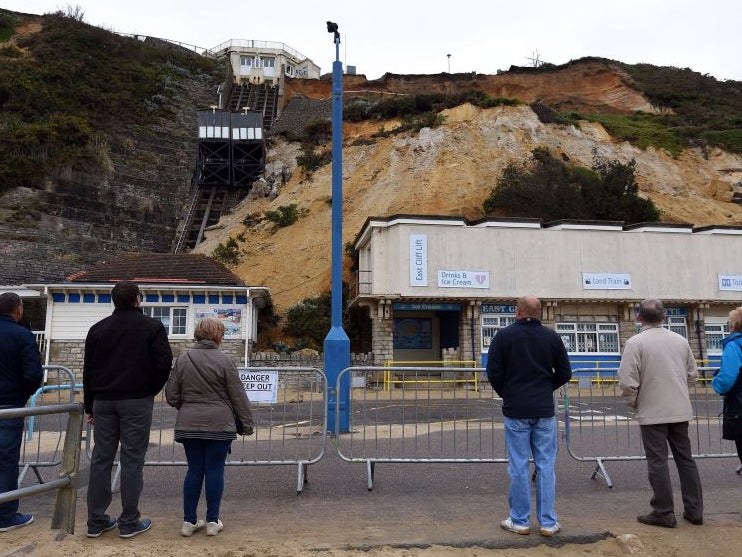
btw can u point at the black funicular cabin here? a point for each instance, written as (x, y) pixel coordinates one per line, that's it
(231, 148)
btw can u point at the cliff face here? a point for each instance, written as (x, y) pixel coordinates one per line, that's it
(587, 85)
(450, 170)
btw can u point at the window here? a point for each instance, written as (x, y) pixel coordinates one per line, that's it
(491, 324)
(173, 318)
(269, 62)
(714, 333)
(246, 61)
(677, 325)
(589, 337)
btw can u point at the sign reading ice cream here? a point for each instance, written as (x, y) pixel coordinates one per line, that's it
(464, 279)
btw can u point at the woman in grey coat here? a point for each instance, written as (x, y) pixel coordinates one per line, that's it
(205, 388)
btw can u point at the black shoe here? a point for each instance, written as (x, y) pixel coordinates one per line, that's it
(138, 528)
(697, 520)
(96, 531)
(662, 520)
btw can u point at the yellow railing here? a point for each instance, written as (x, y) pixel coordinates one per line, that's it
(390, 364)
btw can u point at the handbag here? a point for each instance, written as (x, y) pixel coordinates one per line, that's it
(240, 427)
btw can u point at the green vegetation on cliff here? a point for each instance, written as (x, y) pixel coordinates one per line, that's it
(71, 90)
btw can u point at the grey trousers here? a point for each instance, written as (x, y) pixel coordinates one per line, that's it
(656, 439)
(127, 422)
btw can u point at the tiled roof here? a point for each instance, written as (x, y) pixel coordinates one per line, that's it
(166, 268)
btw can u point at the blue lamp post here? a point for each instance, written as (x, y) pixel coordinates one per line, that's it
(337, 343)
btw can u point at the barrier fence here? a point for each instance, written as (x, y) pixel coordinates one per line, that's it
(65, 484)
(428, 415)
(599, 427)
(291, 430)
(43, 440)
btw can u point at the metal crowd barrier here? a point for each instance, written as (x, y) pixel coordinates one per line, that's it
(599, 427)
(290, 431)
(65, 484)
(429, 415)
(42, 442)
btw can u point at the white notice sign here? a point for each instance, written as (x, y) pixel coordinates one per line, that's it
(418, 260)
(260, 386)
(606, 281)
(730, 282)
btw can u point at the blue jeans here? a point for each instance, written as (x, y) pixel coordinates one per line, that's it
(11, 436)
(537, 437)
(206, 460)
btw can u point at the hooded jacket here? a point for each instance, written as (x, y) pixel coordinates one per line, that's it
(205, 386)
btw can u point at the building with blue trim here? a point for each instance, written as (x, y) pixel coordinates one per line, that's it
(439, 288)
(177, 289)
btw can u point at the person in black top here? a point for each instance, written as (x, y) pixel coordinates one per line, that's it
(526, 363)
(127, 362)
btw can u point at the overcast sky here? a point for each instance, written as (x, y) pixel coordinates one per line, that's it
(417, 36)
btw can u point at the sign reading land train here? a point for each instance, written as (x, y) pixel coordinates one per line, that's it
(261, 386)
(606, 281)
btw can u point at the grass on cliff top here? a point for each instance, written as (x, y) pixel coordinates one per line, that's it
(78, 87)
(697, 108)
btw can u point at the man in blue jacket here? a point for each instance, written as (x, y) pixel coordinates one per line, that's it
(127, 362)
(527, 362)
(20, 375)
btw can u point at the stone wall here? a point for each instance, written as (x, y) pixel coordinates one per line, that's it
(71, 354)
(135, 204)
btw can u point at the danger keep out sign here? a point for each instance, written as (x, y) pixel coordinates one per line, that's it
(260, 386)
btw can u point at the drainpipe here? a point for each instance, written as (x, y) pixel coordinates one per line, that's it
(471, 324)
(698, 332)
(48, 325)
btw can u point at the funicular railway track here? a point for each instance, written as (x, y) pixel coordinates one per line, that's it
(207, 207)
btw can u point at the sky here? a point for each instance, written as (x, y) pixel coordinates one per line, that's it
(434, 36)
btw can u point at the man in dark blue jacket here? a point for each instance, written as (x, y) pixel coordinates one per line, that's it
(127, 362)
(527, 362)
(20, 375)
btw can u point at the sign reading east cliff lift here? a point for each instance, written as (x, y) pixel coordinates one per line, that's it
(261, 386)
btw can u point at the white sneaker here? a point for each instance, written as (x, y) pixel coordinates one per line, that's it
(510, 526)
(549, 531)
(189, 528)
(213, 528)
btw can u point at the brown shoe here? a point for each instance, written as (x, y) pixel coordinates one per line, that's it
(662, 520)
(697, 520)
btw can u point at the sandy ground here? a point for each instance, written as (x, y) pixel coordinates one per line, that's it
(720, 539)
(413, 511)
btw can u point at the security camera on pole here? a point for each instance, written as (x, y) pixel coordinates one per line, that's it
(337, 343)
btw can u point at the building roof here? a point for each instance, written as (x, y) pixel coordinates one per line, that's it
(163, 268)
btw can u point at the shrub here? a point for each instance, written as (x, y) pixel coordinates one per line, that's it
(310, 160)
(641, 129)
(318, 132)
(228, 254)
(285, 215)
(416, 122)
(550, 189)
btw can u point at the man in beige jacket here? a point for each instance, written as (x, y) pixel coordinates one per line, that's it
(656, 367)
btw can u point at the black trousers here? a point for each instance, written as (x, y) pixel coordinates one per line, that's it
(656, 438)
(124, 423)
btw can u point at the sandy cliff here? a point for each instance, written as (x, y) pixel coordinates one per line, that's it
(450, 170)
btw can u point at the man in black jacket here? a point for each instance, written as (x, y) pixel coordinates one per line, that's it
(526, 363)
(127, 362)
